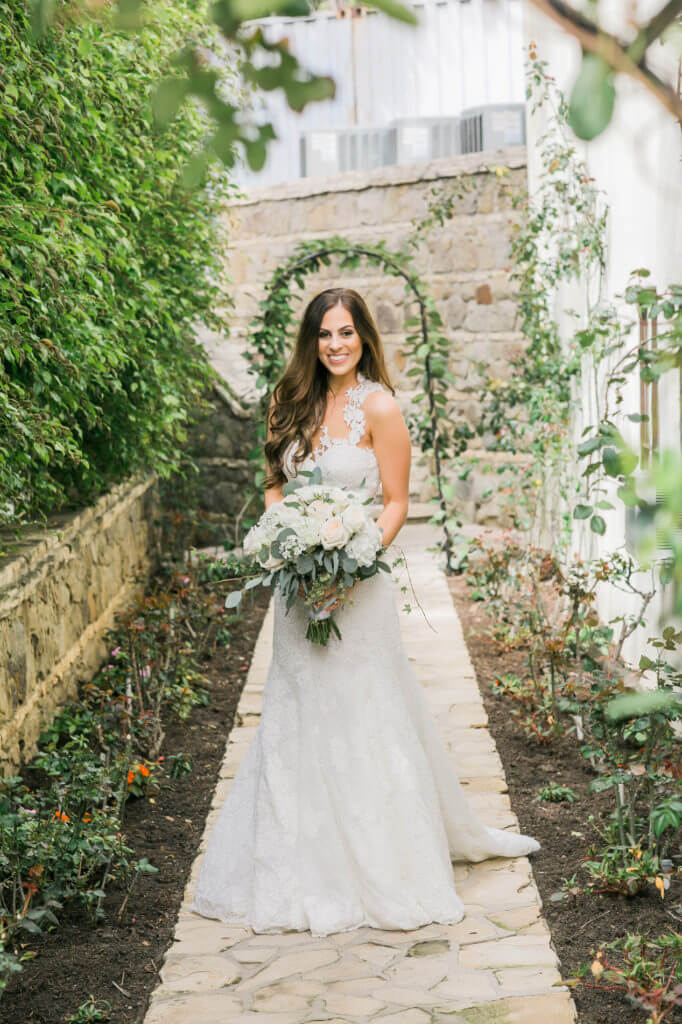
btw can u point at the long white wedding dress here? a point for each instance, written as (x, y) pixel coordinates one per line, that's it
(345, 811)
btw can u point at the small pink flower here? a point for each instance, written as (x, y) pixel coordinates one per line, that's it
(115, 651)
(145, 672)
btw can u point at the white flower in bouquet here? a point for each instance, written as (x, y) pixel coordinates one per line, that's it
(272, 562)
(334, 533)
(254, 541)
(363, 546)
(309, 532)
(355, 518)
(319, 510)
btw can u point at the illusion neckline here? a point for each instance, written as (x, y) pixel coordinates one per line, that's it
(353, 416)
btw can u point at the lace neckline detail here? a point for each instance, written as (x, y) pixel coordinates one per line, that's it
(353, 416)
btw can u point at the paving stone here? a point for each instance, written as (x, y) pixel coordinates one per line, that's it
(252, 954)
(343, 971)
(290, 963)
(405, 996)
(197, 973)
(474, 928)
(554, 1008)
(464, 987)
(514, 951)
(209, 1009)
(515, 920)
(421, 972)
(414, 1016)
(518, 981)
(354, 1006)
(373, 953)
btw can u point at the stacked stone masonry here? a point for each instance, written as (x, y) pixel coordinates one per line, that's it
(465, 265)
(60, 590)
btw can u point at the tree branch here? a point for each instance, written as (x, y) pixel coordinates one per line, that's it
(616, 53)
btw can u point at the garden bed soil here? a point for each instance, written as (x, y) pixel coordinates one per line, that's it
(578, 925)
(119, 961)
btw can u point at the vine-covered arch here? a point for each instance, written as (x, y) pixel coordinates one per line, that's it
(426, 352)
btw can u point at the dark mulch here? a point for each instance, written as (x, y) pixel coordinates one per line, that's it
(578, 925)
(80, 958)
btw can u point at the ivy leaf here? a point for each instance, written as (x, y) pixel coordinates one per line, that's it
(598, 525)
(582, 511)
(591, 445)
(612, 462)
(592, 100)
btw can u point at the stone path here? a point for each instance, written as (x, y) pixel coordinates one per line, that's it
(496, 965)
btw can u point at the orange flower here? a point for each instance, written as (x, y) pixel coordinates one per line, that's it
(660, 885)
(131, 776)
(61, 816)
(143, 770)
(86, 818)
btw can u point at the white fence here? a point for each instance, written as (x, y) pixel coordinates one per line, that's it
(461, 55)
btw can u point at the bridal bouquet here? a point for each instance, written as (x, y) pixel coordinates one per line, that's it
(316, 540)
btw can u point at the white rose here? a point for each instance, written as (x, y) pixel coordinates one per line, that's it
(253, 541)
(363, 546)
(355, 518)
(272, 562)
(333, 533)
(319, 510)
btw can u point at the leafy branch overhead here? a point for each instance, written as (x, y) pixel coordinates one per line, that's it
(605, 55)
(263, 63)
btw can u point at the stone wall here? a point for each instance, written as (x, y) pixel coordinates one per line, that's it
(220, 443)
(59, 592)
(464, 264)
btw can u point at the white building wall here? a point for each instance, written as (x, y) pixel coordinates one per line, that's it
(637, 163)
(462, 54)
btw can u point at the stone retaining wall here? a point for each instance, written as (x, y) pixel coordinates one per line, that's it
(465, 265)
(59, 592)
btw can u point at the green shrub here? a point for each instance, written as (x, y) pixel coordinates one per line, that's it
(107, 264)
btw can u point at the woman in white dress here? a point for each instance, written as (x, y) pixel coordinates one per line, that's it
(345, 811)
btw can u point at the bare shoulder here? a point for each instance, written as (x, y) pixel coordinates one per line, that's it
(381, 407)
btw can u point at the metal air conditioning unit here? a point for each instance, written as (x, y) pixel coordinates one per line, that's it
(319, 154)
(425, 138)
(325, 153)
(493, 127)
(361, 149)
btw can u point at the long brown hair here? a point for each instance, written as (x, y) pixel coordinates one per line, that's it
(299, 398)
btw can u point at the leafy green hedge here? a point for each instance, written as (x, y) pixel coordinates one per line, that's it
(107, 265)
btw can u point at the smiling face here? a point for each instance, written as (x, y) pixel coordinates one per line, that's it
(339, 344)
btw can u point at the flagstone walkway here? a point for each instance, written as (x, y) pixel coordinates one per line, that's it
(496, 965)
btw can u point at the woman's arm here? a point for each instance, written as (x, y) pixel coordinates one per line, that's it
(272, 494)
(391, 443)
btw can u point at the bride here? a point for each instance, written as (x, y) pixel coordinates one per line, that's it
(345, 811)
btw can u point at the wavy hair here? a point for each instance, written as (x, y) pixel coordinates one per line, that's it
(299, 398)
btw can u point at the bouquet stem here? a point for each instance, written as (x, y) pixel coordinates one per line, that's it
(320, 628)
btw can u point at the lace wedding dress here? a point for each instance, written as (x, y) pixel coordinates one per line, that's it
(345, 811)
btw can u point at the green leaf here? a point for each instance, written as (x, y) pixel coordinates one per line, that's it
(168, 98)
(582, 511)
(591, 445)
(590, 107)
(598, 525)
(611, 461)
(233, 599)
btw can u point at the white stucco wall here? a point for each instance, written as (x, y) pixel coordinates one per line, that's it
(637, 163)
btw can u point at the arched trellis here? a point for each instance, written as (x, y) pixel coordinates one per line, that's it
(426, 349)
